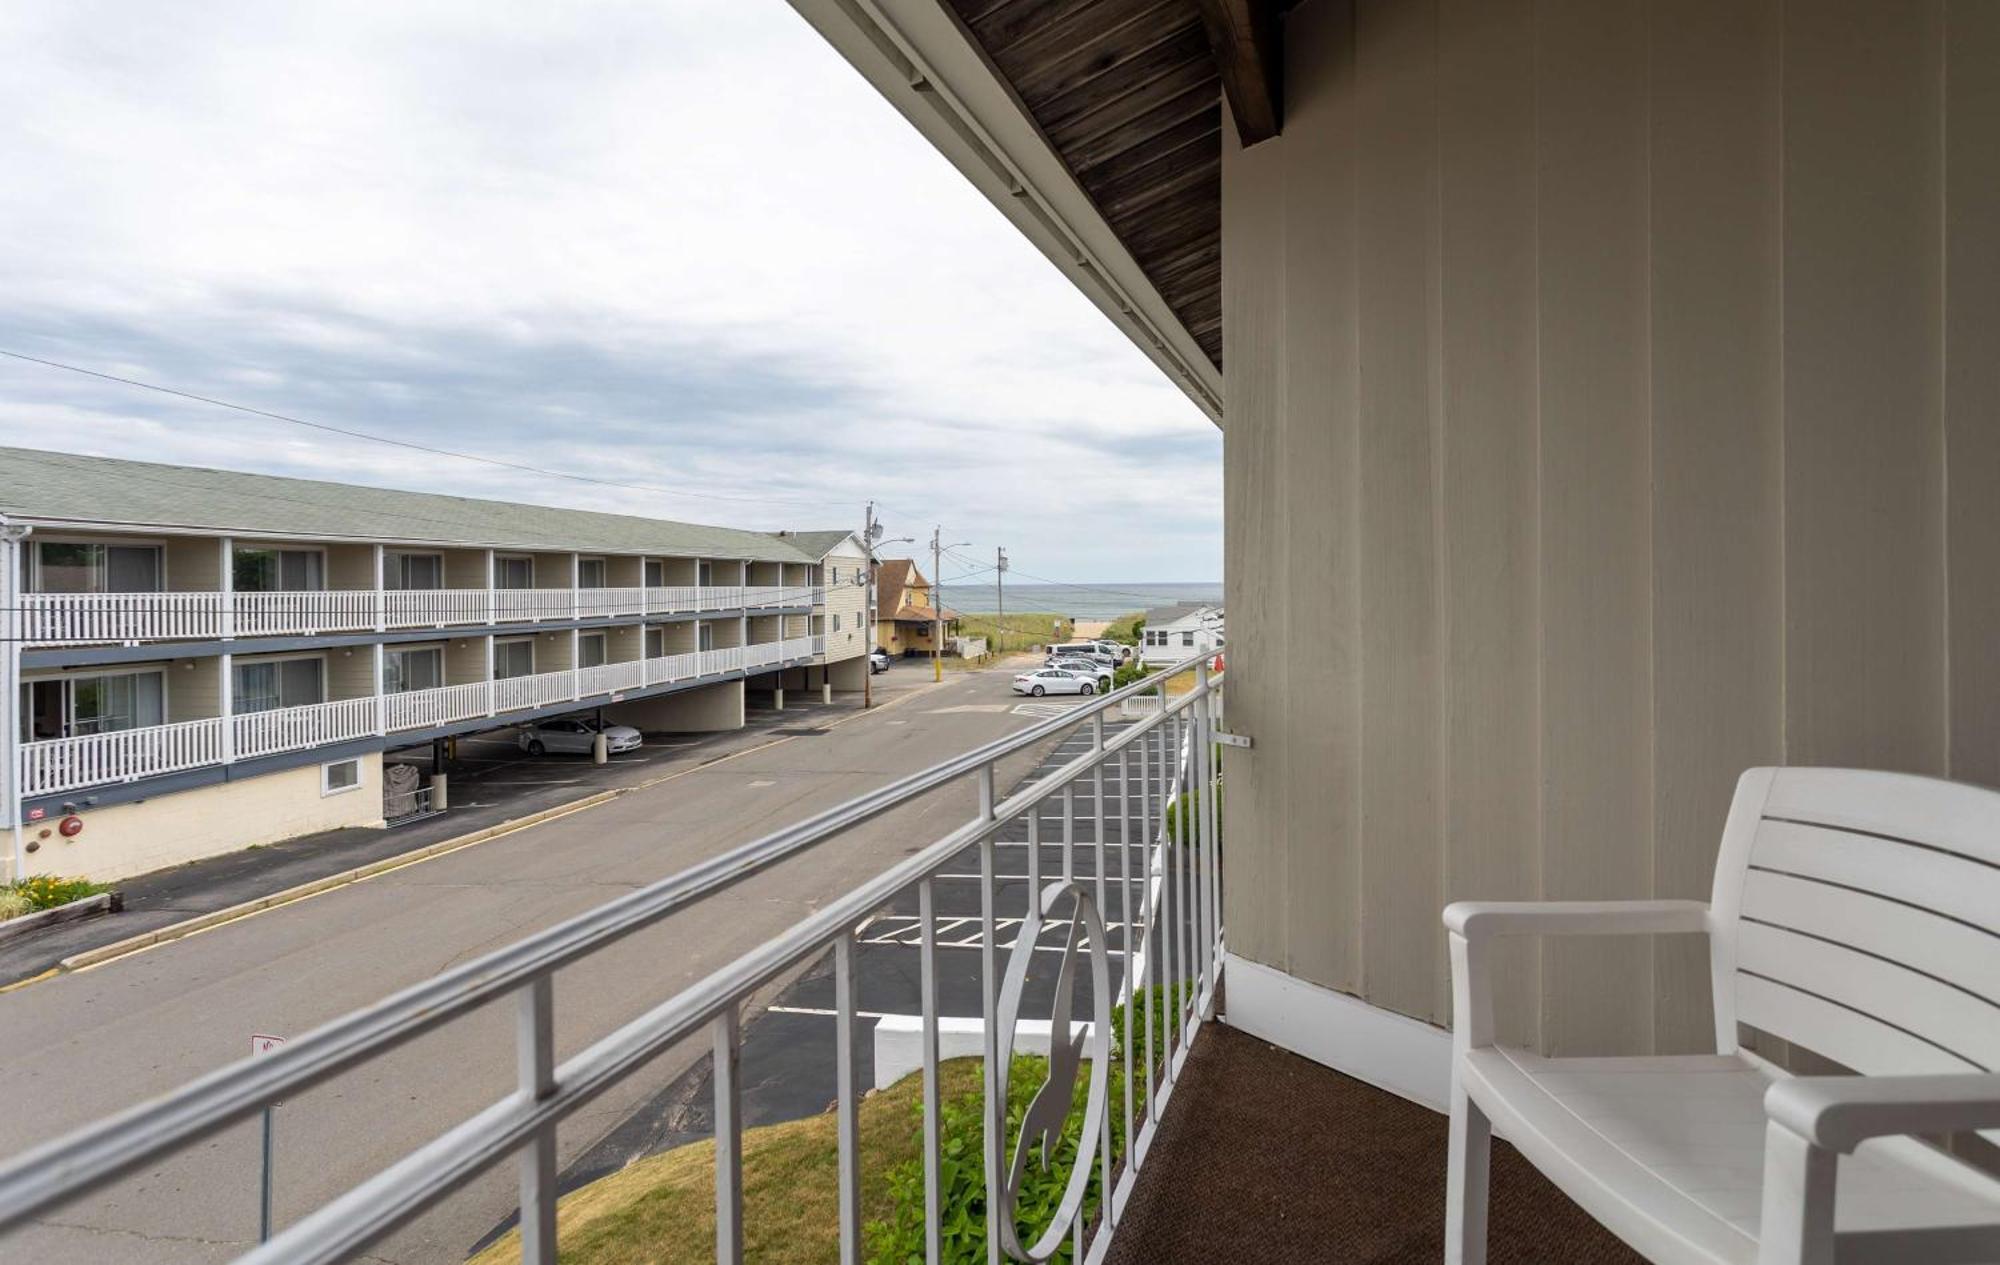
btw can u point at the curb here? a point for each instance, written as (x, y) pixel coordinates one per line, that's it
(102, 903)
(216, 918)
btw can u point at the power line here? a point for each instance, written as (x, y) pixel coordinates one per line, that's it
(409, 444)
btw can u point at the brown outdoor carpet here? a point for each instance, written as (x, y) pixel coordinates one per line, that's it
(1266, 1156)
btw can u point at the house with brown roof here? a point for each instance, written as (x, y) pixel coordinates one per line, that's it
(906, 614)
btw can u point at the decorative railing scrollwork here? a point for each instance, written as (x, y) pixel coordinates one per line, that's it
(1047, 1113)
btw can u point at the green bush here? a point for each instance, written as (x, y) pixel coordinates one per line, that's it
(46, 891)
(13, 904)
(899, 1240)
(1127, 673)
(1179, 826)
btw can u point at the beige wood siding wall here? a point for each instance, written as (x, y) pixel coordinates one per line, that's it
(1613, 405)
(849, 601)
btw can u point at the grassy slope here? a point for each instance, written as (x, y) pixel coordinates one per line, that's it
(1125, 628)
(663, 1207)
(1023, 629)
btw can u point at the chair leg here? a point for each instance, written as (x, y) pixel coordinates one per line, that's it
(1465, 1181)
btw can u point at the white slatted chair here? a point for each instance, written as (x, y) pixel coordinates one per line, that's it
(1854, 914)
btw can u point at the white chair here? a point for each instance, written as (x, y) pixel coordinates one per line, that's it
(1854, 914)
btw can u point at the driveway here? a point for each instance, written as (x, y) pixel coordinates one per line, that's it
(81, 1045)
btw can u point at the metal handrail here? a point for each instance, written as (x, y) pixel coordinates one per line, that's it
(98, 1154)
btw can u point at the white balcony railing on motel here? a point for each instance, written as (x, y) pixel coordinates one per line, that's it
(86, 618)
(62, 764)
(1120, 858)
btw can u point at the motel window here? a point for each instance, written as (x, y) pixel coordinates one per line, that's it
(705, 574)
(705, 637)
(656, 573)
(413, 571)
(590, 650)
(71, 567)
(590, 573)
(514, 573)
(513, 658)
(836, 622)
(70, 706)
(279, 570)
(656, 643)
(835, 569)
(341, 775)
(406, 670)
(273, 683)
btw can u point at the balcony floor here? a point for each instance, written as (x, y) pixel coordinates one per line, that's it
(1265, 1156)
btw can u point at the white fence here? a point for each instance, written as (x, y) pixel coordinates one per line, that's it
(533, 603)
(727, 659)
(423, 608)
(420, 709)
(599, 603)
(666, 669)
(304, 611)
(610, 678)
(515, 693)
(68, 618)
(62, 764)
(296, 728)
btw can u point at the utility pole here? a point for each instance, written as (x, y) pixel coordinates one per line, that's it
(1000, 594)
(937, 604)
(870, 529)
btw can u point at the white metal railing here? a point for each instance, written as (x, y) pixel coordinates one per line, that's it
(1152, 845)
(84, 618)
(418, 709)
(726, 659)
(539, 690)
(423, 608)
(819, 643)
(763, 653)
(609, 678)
(668, 668)
(599, 603)
(124, 755)
(68, 618)
(295, 728)
(300, 611)
(533, 603)
(673, 599)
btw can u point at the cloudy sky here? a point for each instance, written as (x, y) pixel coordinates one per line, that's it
(676, 243)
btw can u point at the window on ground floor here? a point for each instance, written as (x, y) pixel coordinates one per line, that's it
(404, 670)
(272, 683)
(514, 658)
(62, 566)
(1187, 638)
(341, 775)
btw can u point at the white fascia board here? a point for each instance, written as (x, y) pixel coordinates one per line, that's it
(929, 69)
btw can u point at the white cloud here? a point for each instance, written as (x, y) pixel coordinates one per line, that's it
(377, 214)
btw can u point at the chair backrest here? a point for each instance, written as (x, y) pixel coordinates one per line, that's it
(1857, 914)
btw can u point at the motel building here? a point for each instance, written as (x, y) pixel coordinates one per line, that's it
(204, 660)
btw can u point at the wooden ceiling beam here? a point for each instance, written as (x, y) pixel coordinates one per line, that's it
(1247, 41)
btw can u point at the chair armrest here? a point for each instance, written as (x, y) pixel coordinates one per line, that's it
(1481, 919)
(1841, 1112)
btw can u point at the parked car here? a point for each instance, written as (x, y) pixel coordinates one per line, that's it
(577, 735)
(1118, 650)
(1054, 681)
(878, 660)
(1088, 667)
(1083, 650)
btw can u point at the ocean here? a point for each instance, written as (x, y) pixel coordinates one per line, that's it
(1078, 601)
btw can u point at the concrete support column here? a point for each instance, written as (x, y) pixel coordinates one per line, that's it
(826, 690)
(600, 750)
(778, 695)
(440, 797)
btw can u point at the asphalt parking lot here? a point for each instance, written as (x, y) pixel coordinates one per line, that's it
(788, 1052)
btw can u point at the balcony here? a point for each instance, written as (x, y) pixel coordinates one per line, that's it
(53, 619)
(57, 765)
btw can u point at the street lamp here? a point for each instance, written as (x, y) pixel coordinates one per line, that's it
(937, 599)
(871, 536)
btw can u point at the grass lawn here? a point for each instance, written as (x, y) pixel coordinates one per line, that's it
(663, 1207)
(1125, 628)
(1022, 631)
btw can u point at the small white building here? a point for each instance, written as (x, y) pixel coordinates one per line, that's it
(1181, 631)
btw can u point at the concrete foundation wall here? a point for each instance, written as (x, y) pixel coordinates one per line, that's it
(704, 710)
(127, 839)
(848, 676)
(1611, 407)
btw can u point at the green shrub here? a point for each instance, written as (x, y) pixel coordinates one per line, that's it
(13, 904)
(1126, 673)
(1179, 826)
(46, 891)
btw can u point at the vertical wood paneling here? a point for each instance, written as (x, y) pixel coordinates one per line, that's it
(1972, 382)
(1492, 734)
(1320, 470)
(1257, 810)
(1396, 275)
(1864, 557)
(1717, 457)
(1595, 583)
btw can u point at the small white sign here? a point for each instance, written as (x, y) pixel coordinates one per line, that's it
(261, 1044)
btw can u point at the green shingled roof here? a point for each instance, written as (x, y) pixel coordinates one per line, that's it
(91, 491)
(817, 544)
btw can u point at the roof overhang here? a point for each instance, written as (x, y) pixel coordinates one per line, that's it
(922, 59)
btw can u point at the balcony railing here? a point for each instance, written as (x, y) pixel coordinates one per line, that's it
(1152, 847)
(296, 728)
(88, 618)
(61, 764)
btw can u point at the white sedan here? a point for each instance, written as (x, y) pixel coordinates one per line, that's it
(578, 735)
(1054, 681)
